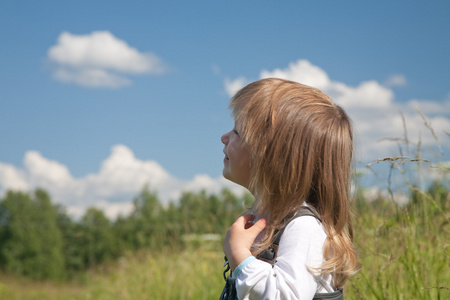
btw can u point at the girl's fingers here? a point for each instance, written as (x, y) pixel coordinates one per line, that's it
(259, 226)
(246, 222)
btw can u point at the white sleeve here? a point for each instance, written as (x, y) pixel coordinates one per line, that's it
(301, 245)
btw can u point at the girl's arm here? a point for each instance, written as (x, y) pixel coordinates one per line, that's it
(300, 246)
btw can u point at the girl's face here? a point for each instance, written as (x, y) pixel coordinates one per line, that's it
(237, 159)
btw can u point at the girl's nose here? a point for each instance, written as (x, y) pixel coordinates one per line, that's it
(224, 138)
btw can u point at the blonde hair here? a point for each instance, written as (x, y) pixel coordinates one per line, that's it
(301, 147)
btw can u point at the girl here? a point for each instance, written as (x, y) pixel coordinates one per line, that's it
(291, 147)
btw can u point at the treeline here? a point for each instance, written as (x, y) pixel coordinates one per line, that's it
(39, 240)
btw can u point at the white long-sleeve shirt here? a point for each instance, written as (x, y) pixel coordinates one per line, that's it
(301, 246)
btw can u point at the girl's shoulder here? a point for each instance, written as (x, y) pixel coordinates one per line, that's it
(304, 223)
(302, 241)
(305, 216)
(304, 228)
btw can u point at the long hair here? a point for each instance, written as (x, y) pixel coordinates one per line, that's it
(301, 147)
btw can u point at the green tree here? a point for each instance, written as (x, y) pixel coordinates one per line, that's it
(73, 243)
(51, 257)
(147, 219)
(31, 243)
(98, 238)
(195, 215)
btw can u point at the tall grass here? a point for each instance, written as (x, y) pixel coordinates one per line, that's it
(194, 273)
(404, 251)
(405, 247)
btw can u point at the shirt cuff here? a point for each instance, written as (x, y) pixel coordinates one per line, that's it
(242, 265)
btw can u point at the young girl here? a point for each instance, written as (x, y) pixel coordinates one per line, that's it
(291, 147)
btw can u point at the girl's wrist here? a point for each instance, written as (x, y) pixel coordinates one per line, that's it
(237, 257)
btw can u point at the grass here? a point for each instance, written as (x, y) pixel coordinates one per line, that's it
(190, 274)
(194, 273)
(404, 252)
(403, 257)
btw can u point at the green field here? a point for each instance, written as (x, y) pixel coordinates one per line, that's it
(404, 251)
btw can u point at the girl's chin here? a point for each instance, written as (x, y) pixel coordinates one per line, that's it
(226, 175)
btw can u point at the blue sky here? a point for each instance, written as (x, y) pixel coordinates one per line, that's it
(156, 96)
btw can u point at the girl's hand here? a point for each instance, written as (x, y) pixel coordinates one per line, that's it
(240, 238)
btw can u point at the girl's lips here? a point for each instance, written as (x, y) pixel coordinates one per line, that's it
(226, 156)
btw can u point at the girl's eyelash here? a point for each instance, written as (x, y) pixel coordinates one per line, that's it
(235, 131)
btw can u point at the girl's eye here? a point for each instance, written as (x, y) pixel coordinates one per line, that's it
(235, 131)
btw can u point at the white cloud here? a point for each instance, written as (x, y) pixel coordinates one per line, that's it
(205, 182)
(301, 71)
(232, 86)
(369, 94)
(42, 171)
(375, 193)
(112, 189)
(429, 107)
(440, 172)
(12, 177)
(395, 80)
(372, 107)
(113, 210)
(99, 59)
(91, 77)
